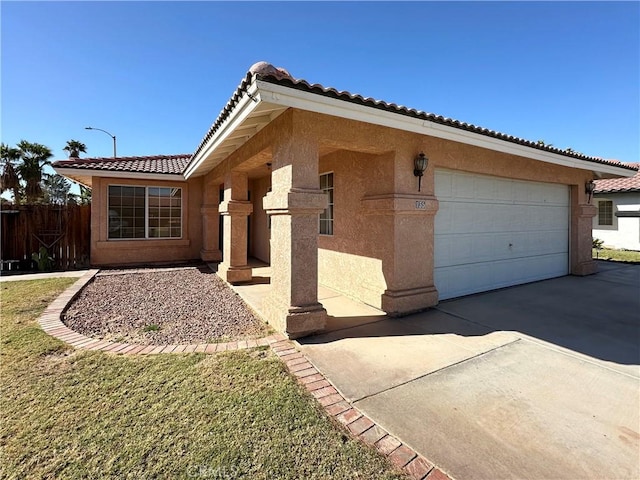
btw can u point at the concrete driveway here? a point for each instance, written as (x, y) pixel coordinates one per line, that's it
(540, 381)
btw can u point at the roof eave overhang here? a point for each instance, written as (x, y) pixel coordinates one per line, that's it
(267, 96)
(248, 117)
(84, 175)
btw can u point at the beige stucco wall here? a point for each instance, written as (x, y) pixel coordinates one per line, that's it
(106, 252)
(351, 260)
(260, 232)
(368, 253)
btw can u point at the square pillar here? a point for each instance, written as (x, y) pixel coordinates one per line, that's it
(293, 206)
(235, 208)
(408, 262)
(582, 262)
(210, 224)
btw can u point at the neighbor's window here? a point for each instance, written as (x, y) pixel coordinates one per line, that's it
(605, 212)
(145, 212)
(326, 217)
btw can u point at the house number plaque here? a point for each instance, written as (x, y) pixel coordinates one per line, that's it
(421, 204)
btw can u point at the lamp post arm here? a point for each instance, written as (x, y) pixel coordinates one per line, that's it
(112, 136)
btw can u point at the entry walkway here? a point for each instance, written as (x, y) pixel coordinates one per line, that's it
(342, 312)
(14, 277)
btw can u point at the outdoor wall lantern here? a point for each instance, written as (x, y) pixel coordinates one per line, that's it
(419, 166)
(589, 187)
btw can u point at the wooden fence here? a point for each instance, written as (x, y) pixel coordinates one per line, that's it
(64, 230)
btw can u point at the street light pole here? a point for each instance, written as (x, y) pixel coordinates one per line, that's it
(112, 136)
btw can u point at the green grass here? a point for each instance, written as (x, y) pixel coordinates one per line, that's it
(73, 414)
(617, 255)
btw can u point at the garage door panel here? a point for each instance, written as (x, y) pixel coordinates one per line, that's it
(444, 186)
(465, 217)
(463, 187)
(462, 249)
(474, 278)
(485, 188)
(492, 232)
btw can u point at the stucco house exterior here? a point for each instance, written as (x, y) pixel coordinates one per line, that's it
(328, 188)
(617, 221)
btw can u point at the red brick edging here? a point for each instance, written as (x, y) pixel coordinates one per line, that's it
(359, 425)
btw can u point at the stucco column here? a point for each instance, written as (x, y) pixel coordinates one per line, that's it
(408, 264)
(294, 205)
(235, 208)
(210, 224)
(408, 215)
(582, 215)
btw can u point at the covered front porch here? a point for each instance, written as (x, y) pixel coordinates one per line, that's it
(342, 311)
(273, 199)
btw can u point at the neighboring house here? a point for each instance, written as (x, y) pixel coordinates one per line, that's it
(617, 222)
(324, 185)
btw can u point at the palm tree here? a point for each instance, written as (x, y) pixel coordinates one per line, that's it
(34, 157)
(74, 147)
(9, 179)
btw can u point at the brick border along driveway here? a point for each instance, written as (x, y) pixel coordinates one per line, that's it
(337, 407)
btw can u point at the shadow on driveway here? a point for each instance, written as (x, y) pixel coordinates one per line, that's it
(530, 382)
(597, 315)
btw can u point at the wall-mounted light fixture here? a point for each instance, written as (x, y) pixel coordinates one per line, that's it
(589, 187)
(419, 166)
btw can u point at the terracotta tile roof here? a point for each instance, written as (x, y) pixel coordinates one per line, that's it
(268, 73)
(169, 164)
(615, 185)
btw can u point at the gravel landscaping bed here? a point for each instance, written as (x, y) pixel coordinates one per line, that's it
(162, 306)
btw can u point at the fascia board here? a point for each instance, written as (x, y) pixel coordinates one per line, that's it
(85, 172)
(290, 97)
(246, 106)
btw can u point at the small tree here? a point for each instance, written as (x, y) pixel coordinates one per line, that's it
(85, 195)
(74, 147)
(56, 189)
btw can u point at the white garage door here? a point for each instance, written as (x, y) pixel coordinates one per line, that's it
(493, 232)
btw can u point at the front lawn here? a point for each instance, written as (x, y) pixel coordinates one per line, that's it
(616, 255)
(75, 414)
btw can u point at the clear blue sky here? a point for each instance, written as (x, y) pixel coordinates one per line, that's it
(156, 74)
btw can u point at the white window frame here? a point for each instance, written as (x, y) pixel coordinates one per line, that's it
(146, 213)
(331, 204)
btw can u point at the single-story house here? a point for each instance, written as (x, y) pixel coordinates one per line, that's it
(388, 205)
(617, 222)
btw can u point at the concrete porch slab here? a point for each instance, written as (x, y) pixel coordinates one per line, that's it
(342, 311)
